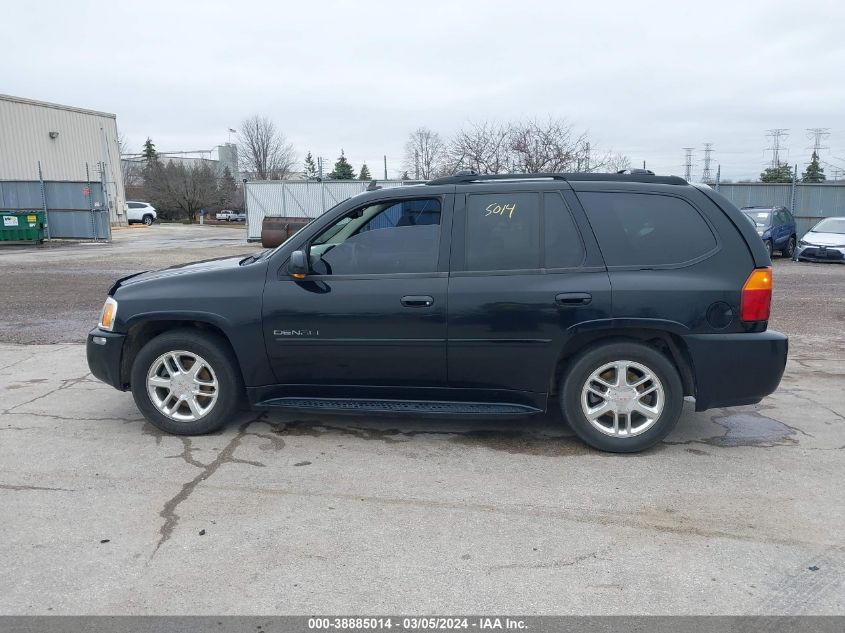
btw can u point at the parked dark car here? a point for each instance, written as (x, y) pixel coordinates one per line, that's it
(775, 226)
(483, 296)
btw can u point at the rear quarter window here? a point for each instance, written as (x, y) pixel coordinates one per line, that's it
(641, 229)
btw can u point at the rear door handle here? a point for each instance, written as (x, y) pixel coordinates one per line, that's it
(417, 301)
(573, 298)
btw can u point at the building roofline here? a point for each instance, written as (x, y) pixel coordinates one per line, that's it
(57, 106)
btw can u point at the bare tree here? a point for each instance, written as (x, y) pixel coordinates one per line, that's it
(425, 154)
(611, 163)
(181, 188)
(130, 166)
(482, 147)
(264, 150)
(547, 146)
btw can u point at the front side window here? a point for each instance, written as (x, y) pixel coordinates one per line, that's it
(638, 229)
(385, 237)
(503, 231)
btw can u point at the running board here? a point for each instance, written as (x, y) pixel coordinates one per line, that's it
(419, 407)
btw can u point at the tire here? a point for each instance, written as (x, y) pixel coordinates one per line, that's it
(667, 398)
(769, 249)
(789, 251)
(148, 220)
(217, 404)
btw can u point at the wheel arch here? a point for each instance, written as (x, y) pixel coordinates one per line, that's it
(667, 342)
(142, 331)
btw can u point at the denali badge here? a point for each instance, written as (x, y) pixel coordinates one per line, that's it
(296, 332)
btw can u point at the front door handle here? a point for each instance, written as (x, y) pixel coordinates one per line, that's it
(573, 298)
(417, 301)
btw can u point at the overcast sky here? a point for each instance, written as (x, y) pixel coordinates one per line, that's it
(643, 78)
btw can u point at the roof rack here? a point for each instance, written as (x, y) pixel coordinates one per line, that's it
(637, 175)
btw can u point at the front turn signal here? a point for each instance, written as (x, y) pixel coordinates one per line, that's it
(108, 315)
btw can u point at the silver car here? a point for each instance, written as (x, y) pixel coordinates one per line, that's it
(825, 242)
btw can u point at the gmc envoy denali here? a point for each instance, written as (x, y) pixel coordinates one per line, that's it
(616, 295)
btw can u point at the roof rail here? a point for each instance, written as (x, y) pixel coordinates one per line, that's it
(469, 177)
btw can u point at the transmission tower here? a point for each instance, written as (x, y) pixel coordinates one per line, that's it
(706, 176)
(688, 163)
(776, 134)
(818, 134)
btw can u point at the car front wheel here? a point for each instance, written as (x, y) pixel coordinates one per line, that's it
(621, 397)
(186, 382)
(789, 251)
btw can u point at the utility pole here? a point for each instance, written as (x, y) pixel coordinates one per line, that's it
(718, 176)
(776, 134)
(706, 175)
(385, 166)
(587, 157)
(320, 167)
(688, 163)
(416, 165)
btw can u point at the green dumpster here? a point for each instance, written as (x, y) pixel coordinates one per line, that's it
(17, 226)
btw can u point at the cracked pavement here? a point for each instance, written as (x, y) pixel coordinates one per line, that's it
(740, 511)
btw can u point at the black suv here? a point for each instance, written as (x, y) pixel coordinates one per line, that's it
(469, 295)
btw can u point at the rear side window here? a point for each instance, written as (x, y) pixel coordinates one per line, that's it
(136, 205)
(638, 229)
(563, 247)
(503, 231)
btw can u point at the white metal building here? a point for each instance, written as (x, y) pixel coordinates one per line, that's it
(64, 140)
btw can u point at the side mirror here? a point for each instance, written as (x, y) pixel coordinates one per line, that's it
(298, 265)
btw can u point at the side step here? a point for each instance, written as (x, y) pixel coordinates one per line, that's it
(419, 407)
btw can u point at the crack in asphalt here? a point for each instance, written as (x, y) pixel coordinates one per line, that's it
(14, 487)
(64, 384)
(794, 392)
(225, 456)
(555, 564)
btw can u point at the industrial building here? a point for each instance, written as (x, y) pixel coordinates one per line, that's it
(63, 160)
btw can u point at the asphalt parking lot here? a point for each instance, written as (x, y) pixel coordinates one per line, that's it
(740, 511)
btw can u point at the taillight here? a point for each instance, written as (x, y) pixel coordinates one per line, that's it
(757, 295)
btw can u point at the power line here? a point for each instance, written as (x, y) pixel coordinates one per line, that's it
(688, 163)
(705, 174)
(776, 134)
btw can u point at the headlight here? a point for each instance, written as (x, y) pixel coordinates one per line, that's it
(109, 314)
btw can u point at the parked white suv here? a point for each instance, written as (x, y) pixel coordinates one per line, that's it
(140, 212)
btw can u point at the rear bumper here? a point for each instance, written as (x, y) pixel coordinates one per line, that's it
(736, 369)
(104, 351)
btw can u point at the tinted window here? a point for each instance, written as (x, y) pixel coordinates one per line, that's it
(136, 205)
(386, 237)
(503, 231)
(635, 229)
(563, 247)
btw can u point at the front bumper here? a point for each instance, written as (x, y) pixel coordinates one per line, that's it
(820, 253)
(104, 351)
(736, 369)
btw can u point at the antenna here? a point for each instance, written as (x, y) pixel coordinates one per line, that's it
(776, 134)
(705, 175)
(688, 163)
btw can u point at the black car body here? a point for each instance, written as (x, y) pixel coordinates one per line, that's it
(469, 295)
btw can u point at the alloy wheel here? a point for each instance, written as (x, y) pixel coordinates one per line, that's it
(182, 385)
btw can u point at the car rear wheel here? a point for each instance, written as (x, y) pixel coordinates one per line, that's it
(789, 251)
(621, 397)
(186, 382)
(148, 220)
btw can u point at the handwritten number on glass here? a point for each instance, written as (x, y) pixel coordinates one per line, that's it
(494, 208)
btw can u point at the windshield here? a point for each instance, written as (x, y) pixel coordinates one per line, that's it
(761, 219)
(830, 225)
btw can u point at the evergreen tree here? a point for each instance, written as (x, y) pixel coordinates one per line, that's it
(781, 173)
(814, 171)
(365, 173)
(149, 152)
(342, 169)
(310, 167)
(227, 190)
(405, 175)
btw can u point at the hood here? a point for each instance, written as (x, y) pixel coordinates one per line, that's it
(824, 239)
(192, 268)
